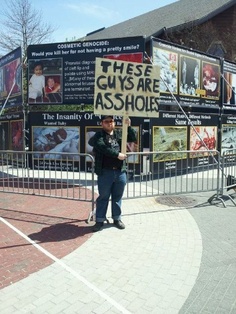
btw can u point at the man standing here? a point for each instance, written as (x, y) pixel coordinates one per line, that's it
(110, 169)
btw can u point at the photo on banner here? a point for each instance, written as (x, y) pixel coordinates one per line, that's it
(203, 138)
(228, 133)
(11, 79)
(4, 135)
(50, 142)
(189, 76)
(229, 84)
(45, 80)
(131, 57)
(169, 139)
(228, 140)
(211, 80)
(168, 63)
(17, 135)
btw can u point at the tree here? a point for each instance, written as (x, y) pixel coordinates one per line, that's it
(22, 26)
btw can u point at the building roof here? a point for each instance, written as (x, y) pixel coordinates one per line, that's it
(153, 23)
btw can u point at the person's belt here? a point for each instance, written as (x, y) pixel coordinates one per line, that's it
(113, 168)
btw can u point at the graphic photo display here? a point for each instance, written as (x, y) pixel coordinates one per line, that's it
(229, 84)
(11, 79)
(191, 77)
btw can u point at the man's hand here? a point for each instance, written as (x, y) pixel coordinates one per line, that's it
(121, 156)
(127, 121)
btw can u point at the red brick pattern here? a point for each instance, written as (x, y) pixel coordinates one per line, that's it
(57, 225)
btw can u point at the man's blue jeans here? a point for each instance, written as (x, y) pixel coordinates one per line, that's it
(110, 183)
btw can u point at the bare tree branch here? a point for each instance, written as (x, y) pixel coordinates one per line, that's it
(22, 25)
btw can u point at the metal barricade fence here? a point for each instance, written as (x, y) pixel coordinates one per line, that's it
(228, 177)
(171, 172)
(229, 169)
(60, 175)
(71, 176)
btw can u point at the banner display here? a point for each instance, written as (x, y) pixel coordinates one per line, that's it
(229, 84)
(228, 132)
(53, 133)
(68, 132)
(11, 79)
(12, 132)
(4, 135)
(228, 137)
(126, 88)
(193, 78)
(173, 132)
(63, 73)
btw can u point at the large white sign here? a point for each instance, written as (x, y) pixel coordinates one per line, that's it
(126, 88)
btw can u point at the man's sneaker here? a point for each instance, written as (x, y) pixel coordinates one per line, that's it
(119, 224)
(98, 226)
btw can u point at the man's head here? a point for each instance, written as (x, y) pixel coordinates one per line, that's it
(108, 123)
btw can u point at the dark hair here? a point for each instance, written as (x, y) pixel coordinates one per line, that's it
(38, 63)
(106, 116)
(50, 78)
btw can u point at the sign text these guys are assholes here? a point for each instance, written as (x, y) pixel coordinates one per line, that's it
(123, 88)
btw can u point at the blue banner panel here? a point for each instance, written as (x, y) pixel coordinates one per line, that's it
(64, 73)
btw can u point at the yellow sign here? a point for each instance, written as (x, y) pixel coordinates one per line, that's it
(201, 92)
(126, 88)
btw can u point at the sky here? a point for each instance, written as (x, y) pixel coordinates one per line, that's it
(75, 18)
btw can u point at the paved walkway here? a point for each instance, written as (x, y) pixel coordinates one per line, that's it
(168, 259)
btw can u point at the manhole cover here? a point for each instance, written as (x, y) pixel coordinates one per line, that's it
(177, 201)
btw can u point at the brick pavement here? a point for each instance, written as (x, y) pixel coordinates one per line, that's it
(168, 259)
(57, 225)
